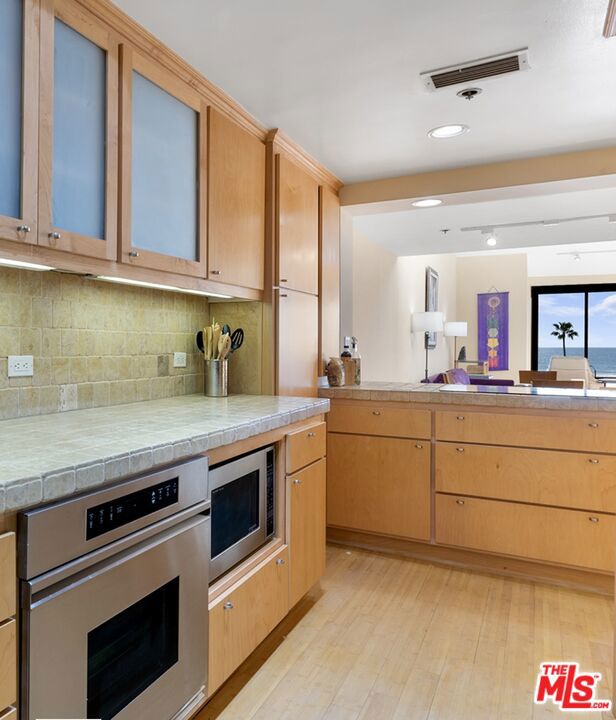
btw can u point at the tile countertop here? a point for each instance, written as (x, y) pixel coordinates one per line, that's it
(47, 457)
(484, 395)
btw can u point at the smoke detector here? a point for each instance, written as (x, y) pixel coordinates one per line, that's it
(482, 69)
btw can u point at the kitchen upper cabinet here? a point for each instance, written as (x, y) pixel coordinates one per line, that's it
(307, 537)
(329, 276)
(163, 156)
(19, 88)
(78, 160)
(236, 207)
(297, 343)
(298, 227)
(379, 484)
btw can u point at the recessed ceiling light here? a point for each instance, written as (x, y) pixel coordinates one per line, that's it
(448, 131)
(491, 241)
(427, 202)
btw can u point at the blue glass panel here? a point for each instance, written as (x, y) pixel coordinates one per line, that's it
(79, 133)
(11, 38)
(164, 172)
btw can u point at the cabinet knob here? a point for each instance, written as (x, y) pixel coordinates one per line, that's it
(228, 605)
(376, 412)
(24, 228)
(283, 280)
(297, 481)
(594, 519)
(419, 446)
(283, 295)
(133, 253)
(459, 502)
(280, 561)
(593, 425)
(311, 434)
(459, 417)
(215, 272)
(460, 449)
(593, 461)
(54, 235)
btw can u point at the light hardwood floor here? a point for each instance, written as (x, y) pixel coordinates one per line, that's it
(389, 638)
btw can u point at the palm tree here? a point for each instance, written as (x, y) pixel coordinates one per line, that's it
(563, 331)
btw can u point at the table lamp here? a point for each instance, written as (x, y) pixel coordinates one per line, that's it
(455, 329)
(426, 323)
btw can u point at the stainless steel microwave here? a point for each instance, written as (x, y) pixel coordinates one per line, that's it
(243, 508)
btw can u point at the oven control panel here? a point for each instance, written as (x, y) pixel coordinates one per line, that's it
(113, 514)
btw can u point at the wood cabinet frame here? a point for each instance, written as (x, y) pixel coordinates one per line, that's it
(131, 60)
(91, 28)
(14, 228)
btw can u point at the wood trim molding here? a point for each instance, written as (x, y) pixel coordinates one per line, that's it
(527, 171)
(609, 29)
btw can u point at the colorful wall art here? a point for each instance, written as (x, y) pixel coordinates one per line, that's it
(493, 329)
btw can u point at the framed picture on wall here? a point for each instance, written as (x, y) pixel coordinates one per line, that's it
(431, 300)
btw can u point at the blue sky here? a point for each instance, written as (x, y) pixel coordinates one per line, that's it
(569, 307)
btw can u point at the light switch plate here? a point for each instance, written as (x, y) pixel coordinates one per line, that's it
(21, 365)
(179, 359)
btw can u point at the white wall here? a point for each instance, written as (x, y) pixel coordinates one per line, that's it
(386, 290)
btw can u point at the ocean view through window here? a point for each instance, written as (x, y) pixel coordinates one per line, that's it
(591, 309)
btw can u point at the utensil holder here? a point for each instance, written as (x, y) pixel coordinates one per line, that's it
(216, 374)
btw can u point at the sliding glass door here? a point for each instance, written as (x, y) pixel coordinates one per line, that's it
(585, 315)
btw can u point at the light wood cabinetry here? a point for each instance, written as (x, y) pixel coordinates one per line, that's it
(236, 207)
(329, 276)
(298, 227)
(378, 419)
(244, 615)
(8, 639)
(297, 343)
(307, 536)
(570, 431)
(19, 54)
(306, 446)
(8, 663)
(164, 175)
(545, 477)
(78, 153)
(570, 537)
(379, 484)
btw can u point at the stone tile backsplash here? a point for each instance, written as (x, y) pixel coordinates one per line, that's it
(94, 343)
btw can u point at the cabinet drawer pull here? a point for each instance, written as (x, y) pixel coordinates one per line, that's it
(54, 235)
(593, 425)
(419, 446)
(133, 253)
(228, 605)
(283, 280)
(280, 561)
(297, 481)
(594, 519)
(376, 412)
(459, 417)
(215, 272)
(593, 461)
(459, 502)
(23, 228)
(311, 434)
(460, 450)
(283, 295)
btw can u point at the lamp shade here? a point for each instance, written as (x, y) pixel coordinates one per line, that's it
(427, 322)
(456, 329)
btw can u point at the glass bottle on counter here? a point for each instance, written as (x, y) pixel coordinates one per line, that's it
(356, 359)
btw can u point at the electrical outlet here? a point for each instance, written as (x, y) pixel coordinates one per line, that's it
(21, 366)
(179, 359)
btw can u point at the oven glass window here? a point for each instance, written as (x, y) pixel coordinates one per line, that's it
(127, 653)
(235, 511)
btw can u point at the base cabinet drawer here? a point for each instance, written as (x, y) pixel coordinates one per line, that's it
(8, 575)
(305, 446)
(375, 419)
(244, 616)
(575, 432)
(544, 477)
(8, 664)
(380, 485)
(570, 537)
(307, 537)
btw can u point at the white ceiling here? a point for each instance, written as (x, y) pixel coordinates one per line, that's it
(342, 77)
(418, 231)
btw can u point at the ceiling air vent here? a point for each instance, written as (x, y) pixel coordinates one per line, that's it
(474, 70)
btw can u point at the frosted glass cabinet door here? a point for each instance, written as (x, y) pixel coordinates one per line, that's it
(18, 125)
(163, 161)
(79, 141)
